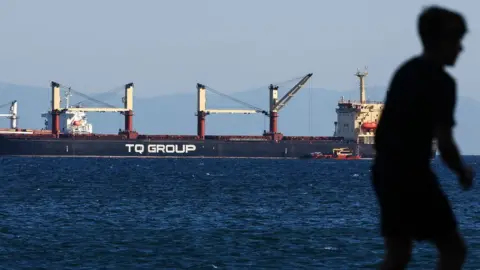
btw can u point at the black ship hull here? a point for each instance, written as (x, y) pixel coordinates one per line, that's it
(22, 146)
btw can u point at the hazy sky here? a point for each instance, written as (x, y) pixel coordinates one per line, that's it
(168, 46)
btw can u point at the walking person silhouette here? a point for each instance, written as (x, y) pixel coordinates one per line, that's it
(419, 108)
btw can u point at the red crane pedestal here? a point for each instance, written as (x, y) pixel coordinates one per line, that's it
(273, 122)
(201, 124)
(129, 121)
(55, 122)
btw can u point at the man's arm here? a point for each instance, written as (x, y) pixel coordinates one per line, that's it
(449, 151)
(444, 111)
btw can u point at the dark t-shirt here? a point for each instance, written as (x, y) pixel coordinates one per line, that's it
(421, 97)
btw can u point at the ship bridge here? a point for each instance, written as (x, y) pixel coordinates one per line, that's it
(357, 120)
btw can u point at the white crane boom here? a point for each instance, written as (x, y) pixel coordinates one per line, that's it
(290, 94)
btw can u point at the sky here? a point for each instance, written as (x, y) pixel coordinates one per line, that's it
(167, 47)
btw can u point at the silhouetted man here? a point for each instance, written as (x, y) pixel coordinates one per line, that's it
(419, 108)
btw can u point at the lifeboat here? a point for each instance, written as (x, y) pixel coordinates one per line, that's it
(76, 123)
(369, 125)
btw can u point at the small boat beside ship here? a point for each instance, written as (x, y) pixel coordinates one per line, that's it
(337, 154)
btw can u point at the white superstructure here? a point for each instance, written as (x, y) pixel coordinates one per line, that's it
(357, 120)
(72, 121)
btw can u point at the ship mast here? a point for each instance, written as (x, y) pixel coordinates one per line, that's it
(361, 76)
(68, 94)
(13, 115)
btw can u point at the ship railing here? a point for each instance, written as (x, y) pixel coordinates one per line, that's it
(93, 136)
(235, 137)
(358, 102)
(311, 138)
(248, 139)
(29, 136)
(168, 137)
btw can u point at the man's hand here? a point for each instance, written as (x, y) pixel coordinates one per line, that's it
(466, 178)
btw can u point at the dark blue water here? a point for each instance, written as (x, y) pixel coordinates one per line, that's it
(201, 214)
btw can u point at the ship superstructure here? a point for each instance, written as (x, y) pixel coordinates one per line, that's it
(70, 121)
(357, 120)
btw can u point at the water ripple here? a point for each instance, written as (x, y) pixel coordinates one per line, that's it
(201, 214)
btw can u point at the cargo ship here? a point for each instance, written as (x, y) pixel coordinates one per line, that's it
(67, 132)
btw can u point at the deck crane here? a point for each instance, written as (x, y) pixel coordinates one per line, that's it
(202, 110)
(127, 110)
(13, 115)
(276, 105)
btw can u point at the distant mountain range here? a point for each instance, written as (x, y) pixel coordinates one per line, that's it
(311, 112)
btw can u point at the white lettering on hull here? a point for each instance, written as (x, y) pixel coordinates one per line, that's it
(161, 148)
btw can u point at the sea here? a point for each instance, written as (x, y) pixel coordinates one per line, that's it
(100, 213)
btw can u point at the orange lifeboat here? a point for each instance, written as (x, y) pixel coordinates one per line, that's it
(369, 125)
(76, 123)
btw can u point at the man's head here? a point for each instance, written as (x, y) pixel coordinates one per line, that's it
(441, 32)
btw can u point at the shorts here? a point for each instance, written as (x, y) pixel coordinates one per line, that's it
(412, 204)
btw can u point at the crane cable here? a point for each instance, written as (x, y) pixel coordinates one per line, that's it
(88, 97)
(266, 113)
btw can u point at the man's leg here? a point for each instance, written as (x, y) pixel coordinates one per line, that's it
(398, 212)
(398, 253)
(452, 251)
(442, 230)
